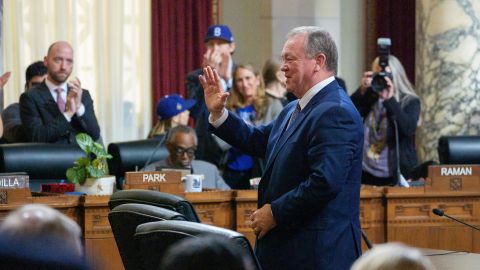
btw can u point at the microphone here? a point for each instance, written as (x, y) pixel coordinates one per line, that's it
(160, 143)
(440, 213)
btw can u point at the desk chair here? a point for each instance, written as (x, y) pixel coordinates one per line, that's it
(154, 238)
(125, 218)
(459, 149)
(155, 198)
(131, 155)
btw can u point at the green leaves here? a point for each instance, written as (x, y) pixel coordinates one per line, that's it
(93, 165)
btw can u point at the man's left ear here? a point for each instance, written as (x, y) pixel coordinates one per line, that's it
(320, 60)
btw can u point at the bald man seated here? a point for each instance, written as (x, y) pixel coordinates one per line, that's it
(56, 110)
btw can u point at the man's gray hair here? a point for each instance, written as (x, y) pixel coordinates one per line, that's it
(179, 129)
(318, 41)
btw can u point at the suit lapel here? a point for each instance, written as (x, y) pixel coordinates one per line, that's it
(295, 126)
(50, 104)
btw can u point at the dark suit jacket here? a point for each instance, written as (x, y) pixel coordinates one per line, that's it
(43, 121)
(312, 181)
(406, 113)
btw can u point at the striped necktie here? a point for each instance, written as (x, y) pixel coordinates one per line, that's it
(294, 114)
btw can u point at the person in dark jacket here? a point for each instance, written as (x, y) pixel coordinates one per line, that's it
(397, 104)
(220, 46)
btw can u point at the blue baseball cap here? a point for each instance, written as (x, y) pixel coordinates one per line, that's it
(219, 31)
(171, 105)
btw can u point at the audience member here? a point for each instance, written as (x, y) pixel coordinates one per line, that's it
(172, 110)
(392, 256)
(220, 47)
(309, 195)
(274, 80)
(181, 143)
(250, 102)
(55, 111)
(3, 80)
(13, 129)
(40, 237)
(398, 104)
(206, 252)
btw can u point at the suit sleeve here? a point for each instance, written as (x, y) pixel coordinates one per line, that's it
(332, 146)
(35, 129)
(249, 139)
(88, 121)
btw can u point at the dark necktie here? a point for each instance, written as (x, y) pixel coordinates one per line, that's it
(294, 114)
(60, 101)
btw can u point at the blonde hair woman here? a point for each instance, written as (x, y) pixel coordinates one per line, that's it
(248, 100)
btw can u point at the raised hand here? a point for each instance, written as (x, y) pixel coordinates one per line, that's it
(389, 92)
(212, 58)
(366, 81)
(215, 95)
(4, 79)
(224, 66)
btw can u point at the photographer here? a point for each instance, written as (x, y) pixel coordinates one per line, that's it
(381, 107)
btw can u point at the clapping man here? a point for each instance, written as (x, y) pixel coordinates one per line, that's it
(55, 111)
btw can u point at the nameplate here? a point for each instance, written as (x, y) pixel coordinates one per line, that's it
(458, 178)
(14, 181)
(141, 178)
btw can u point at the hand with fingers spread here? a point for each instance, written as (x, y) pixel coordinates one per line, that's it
(4, 79)
(262, 221)
(75, 91)
(215, 95)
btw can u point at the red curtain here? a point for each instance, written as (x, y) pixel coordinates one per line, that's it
(396, 20)
(178, 29)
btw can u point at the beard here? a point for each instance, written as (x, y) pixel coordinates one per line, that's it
(59, 77)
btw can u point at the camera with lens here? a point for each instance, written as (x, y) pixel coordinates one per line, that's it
(378, 79)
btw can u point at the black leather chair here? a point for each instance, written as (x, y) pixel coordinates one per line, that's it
(125, 218)
(154, 238)
(459, 149)
(39, 160)
(155, 198)
(43, 162)
(132, 155)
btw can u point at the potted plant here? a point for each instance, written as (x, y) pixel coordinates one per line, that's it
(90, 173)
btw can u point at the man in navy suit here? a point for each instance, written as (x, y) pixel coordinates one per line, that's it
(55, 111)
(309, 194)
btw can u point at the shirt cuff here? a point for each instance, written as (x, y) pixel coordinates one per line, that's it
(220, 120)
(81, 111)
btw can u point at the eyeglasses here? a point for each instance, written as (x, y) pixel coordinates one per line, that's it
(179, 151)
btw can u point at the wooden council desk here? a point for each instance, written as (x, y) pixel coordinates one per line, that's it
(386, 214)
(410, 219)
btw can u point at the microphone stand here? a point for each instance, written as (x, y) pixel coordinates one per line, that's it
(440, 213)
(397, 150)
(159, 144)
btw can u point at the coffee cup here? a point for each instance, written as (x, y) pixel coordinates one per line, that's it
(192, 182)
